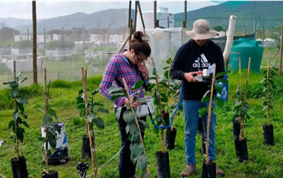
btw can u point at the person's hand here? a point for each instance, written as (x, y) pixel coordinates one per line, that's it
(190, 76)
(142, 67)
(135, 104)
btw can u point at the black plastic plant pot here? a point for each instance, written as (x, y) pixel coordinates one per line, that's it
(200, 126)
(208, 170)
(86, 152)
(203, 149)
(162, 164)
(52, 174)
(241, 150)
(268, 134)
(170, 138)
(19, 167)
(166, 117)
(236, 130)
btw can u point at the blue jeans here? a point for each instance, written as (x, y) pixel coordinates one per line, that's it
(190, 108)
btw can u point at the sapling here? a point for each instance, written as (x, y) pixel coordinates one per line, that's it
(18, 163)
(134, 126)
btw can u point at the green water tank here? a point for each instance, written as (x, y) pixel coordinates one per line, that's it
(245, 48)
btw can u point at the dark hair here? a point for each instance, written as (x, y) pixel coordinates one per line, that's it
(139, 44)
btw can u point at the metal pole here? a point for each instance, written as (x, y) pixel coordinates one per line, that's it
(255, 25)
(154, 14)
(34, 47)
(262, 41)
(136, 13)
(143, 25)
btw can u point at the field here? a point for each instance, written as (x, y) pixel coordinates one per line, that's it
(264, 161)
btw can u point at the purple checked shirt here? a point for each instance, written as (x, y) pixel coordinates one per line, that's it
(117, 69)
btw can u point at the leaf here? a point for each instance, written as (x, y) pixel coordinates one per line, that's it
(102, 110)
(90, 117)
(151, 86)
(11, 123)
(202, 111)
(206, 97)
(218, 102)
(131, 128)
(51, 139)
(13, 84)
(82, 113)
(144, 174)
(264, 108)
(99, 122)
(236, 118)
(47, 120)
(52, 113)
(114, 97)
(25, 124)
(218, 87)
(94, 92)
(15, 115)
(136, 150)
(220, 74)
(81, 106)
(113, 90)
(244, 110)
(128, 116)
(80, 92)
(24, 115)
(20, 134)
(135, 137)
(222, 81)
(118, 113)
(40, 110)
(21, 107)
(18, 75)
(21, 81)
(143, 124)
(41, 139)
(137, 85)
(57, 128)
(142, 162)
(15, 92)
(22, 100)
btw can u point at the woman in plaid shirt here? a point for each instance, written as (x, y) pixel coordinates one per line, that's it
(128, 65)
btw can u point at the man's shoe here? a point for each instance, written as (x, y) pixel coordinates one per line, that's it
(188, 171)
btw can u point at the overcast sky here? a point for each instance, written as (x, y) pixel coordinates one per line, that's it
(50, 8)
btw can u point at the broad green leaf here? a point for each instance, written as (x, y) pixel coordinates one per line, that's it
(114, 97)
(102, 110)
(41, 139)
(25, 123)
(222, 81)
(113, 90)
(94, 92)
(15, 115)
(40, 110)
(81, 92)
(18, 75)
(206, 97)
(11, 123)
(218, 102)
(264, 103)
(202, 111)
(244, 110)
(22, 100)
(131, 128)
(13, 84)
(24, 115)
(97, 104)
(151, 86)
(90, 117)
(128, 116)
(143, 124)
(99, 122)
(220, 74)
(52, 113)
(144, 174)
(20, 134)
(118, 113)
(57, 128)
(15, 92)
(137, 85)
(142, 162)
(218, 87)
(21, 81)
(135, 137)
(236, 118)
(82, 113)
(47, 120)
(264, 108)
(81, 106)
(136, 149)
(174, 105)
(21, 107)
(51, 139)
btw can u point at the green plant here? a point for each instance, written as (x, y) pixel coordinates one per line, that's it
(19, 111)
(138, 155)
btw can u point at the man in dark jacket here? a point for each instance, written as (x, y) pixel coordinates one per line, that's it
(197, 54)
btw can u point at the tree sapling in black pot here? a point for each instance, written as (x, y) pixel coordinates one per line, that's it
(19, 167)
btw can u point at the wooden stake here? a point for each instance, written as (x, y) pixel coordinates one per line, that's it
(136, 119)
(16, 110)
(94, 167)
(267, 92)
(46, 126)
(209, 113)
(240, 94)
(160, 105)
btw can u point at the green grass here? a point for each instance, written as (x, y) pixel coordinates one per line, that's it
(265, 161)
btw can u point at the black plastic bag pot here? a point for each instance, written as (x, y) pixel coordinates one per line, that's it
(19, 167)
(236, 130)
(200, 126)
(241, 150)
(203, 148)
(166, 118)
(268, 134)
(86, 152)
(208, 170)
(170, 138)
(52, 174)
(162, 164)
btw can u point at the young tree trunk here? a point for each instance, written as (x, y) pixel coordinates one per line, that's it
(16, 122)
(240, 98)
(46, 126)
(267, 93)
